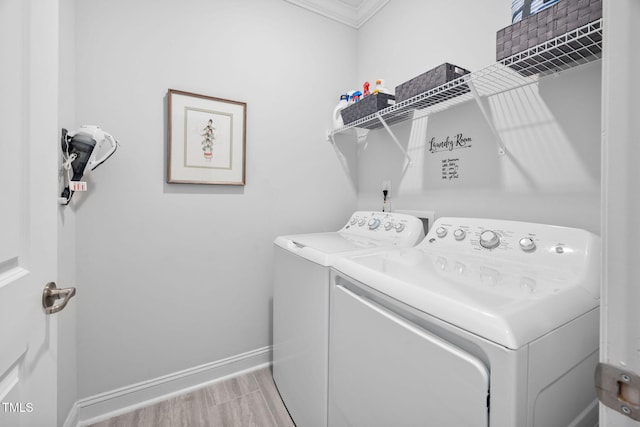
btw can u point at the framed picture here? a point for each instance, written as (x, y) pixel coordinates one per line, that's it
(206, 139)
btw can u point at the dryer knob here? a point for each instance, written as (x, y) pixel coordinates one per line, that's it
(459, 234)
(388, 225)
(399, 227)
(374, 223)
(489, 239)
(354, 220)
(527, 244)
(441, 232)
(362, 222)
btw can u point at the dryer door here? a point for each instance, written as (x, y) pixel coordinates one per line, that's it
(385, 371)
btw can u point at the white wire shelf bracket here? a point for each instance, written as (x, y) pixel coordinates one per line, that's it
(576, 47)
(395, 139)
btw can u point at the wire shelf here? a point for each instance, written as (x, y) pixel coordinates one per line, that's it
(577, 47)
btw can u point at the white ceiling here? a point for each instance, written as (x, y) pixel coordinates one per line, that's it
(350, 12)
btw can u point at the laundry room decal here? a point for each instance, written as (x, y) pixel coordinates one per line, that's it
(449, 143)
(459, 151)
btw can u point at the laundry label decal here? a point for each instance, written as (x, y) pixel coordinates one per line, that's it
(450, 169)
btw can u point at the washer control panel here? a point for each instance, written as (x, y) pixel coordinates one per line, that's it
(385, 226)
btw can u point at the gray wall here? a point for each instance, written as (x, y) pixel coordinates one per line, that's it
(551, 173)
(172, 276)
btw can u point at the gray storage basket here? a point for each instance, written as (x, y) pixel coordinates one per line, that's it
(562, 17)
(429, 80)
(366, 106)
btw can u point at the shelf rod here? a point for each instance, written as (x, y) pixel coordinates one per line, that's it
(501, 148)
(390, 132)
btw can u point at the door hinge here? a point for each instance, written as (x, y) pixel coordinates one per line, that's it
(618, 390)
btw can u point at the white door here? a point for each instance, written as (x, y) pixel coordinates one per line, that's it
(620, 326)
(28, 209)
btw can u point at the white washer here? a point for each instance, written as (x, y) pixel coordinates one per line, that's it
(301, 303)
(485, 323)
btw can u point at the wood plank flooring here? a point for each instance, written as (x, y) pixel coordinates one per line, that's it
(249, 400)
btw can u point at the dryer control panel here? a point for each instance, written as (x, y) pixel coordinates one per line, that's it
(501, 239)
(391, 227)
(512, 259)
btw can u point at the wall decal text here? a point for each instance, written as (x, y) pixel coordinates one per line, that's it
(450, 169)
(450, 144)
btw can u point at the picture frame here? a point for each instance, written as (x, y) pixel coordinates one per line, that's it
(206, 141)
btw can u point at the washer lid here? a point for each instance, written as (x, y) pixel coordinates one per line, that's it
(363, 232)
(323, 248)
(506, 302)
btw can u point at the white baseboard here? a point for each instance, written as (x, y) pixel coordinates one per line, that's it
(72, 417)
(103, 406)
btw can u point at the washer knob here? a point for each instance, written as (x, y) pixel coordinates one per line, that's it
(399, 227)
(527, 244)
(374, 223)
(441, 232)
(489, 239)
(388, 225)
(459, 234)
(361, 222)
(354, 220)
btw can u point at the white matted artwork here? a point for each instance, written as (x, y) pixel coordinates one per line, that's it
(207, 139)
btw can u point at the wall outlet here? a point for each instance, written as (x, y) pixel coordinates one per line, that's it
(386, 204)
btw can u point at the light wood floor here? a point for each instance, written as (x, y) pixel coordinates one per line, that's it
(250, 400)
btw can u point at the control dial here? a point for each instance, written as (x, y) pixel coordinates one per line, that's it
(388, 225)
(441, 232)
(489, 239)
(399, 227)
(354, 220)
(362, 222)
(527, 244)
(459, 234)
(374, 223)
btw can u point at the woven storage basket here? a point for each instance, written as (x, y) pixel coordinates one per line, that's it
(366, 106)
(433, 78)
(562, 17)
(523, 8)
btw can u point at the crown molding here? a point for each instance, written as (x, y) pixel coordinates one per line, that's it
(342, 12)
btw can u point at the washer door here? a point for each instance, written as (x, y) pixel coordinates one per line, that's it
(385, 371)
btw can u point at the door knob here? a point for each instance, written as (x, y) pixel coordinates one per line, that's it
(51, 294)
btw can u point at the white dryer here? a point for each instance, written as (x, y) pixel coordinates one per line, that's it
(301, 303)
(485, 323)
